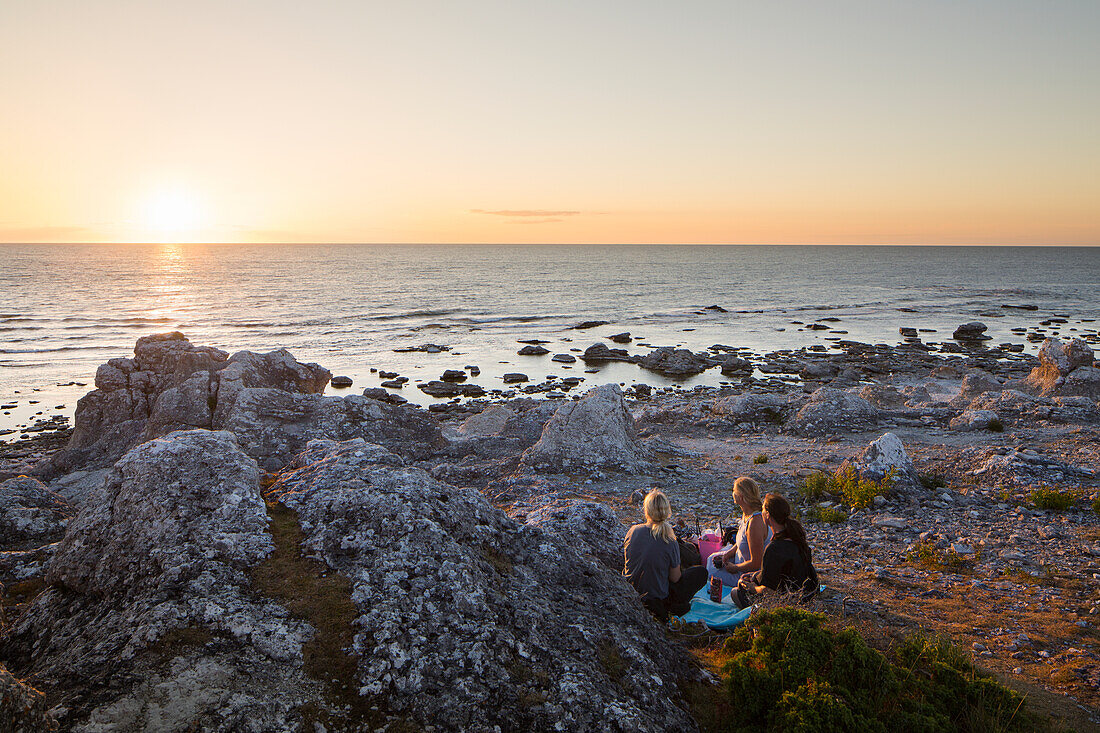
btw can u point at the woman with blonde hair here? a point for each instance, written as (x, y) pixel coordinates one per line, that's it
(652, 561)
(753, 535)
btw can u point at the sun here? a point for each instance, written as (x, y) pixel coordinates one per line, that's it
(172, 214)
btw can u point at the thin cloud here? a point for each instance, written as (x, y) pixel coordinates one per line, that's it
(544, 214)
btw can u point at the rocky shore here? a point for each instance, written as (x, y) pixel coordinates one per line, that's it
(219, 543)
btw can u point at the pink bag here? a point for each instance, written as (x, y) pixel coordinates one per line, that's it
(708, 545)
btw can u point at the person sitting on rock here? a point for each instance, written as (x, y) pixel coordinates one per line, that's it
(753, 535)
(652, 562)
(787, 567)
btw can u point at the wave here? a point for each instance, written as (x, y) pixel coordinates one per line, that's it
(61, 349)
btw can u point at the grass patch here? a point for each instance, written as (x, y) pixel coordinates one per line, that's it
(760, 459)
(1096, 506)
(830, 514)
(1052, 499)
(611, 661)
(314, 593)
(785, 670)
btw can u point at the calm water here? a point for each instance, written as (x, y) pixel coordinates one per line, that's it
(64, 309)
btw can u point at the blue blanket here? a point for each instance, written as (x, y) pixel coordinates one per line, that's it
(717, 616)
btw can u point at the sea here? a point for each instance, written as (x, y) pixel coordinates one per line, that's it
(67, 308)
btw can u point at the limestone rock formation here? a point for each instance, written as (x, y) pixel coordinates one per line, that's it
(30, 514)
(833, 410)
(151, 620)
(595, 432)
(1066, 369)
(271, 401)
(880, 457)
(469, 620)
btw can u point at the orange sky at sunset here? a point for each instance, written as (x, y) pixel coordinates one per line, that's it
(706, 122)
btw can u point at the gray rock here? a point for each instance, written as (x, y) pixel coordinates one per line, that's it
(564, 358)
(833, 410)
(672, 362)
(170, 385)
(620, 338)
(601, 352)
(272, 425)
(30, 514)
(973, 331)
(158, 557)
(341, 382)
(880, 458)
(514, 378)
(597, 431)
(973, 385)
(450, 389)
(751, 408)
(1065, 369)
(466, 616)
(453, 375)
(533, 350)
(973, 420)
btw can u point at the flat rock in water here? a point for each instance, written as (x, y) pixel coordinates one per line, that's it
(533, 350)
(600, 352)
(563, 358)
(973, 331)
(620, 338)
(450, 389)
(341, 382)
(514, 378)
(590, 324)
(454, 375)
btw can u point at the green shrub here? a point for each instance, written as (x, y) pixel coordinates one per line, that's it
(789, 672)
(996, 426)
(762, 458)
(1096, 505)
(815, 486)
(832, 515)
(859, 492)
(856, 491)
(1052, 499)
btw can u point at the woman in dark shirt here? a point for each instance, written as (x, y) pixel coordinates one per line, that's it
(787, 566)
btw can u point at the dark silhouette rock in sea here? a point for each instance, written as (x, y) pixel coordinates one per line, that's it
(533, 350)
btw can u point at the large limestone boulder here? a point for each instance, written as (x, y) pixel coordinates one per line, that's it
(271, 401)
(881, 457)
(30, 514)
(974, 420)
(151, 620)
(1065, 369)
(833, 410)
(975, 384)
(170, 385)
(469, 620)
(595, 432)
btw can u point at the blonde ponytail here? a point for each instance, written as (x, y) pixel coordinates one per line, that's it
(658, 513)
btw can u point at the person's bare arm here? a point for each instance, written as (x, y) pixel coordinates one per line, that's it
(674, 574)
(757, 530)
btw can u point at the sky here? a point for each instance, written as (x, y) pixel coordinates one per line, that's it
(936, 122)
